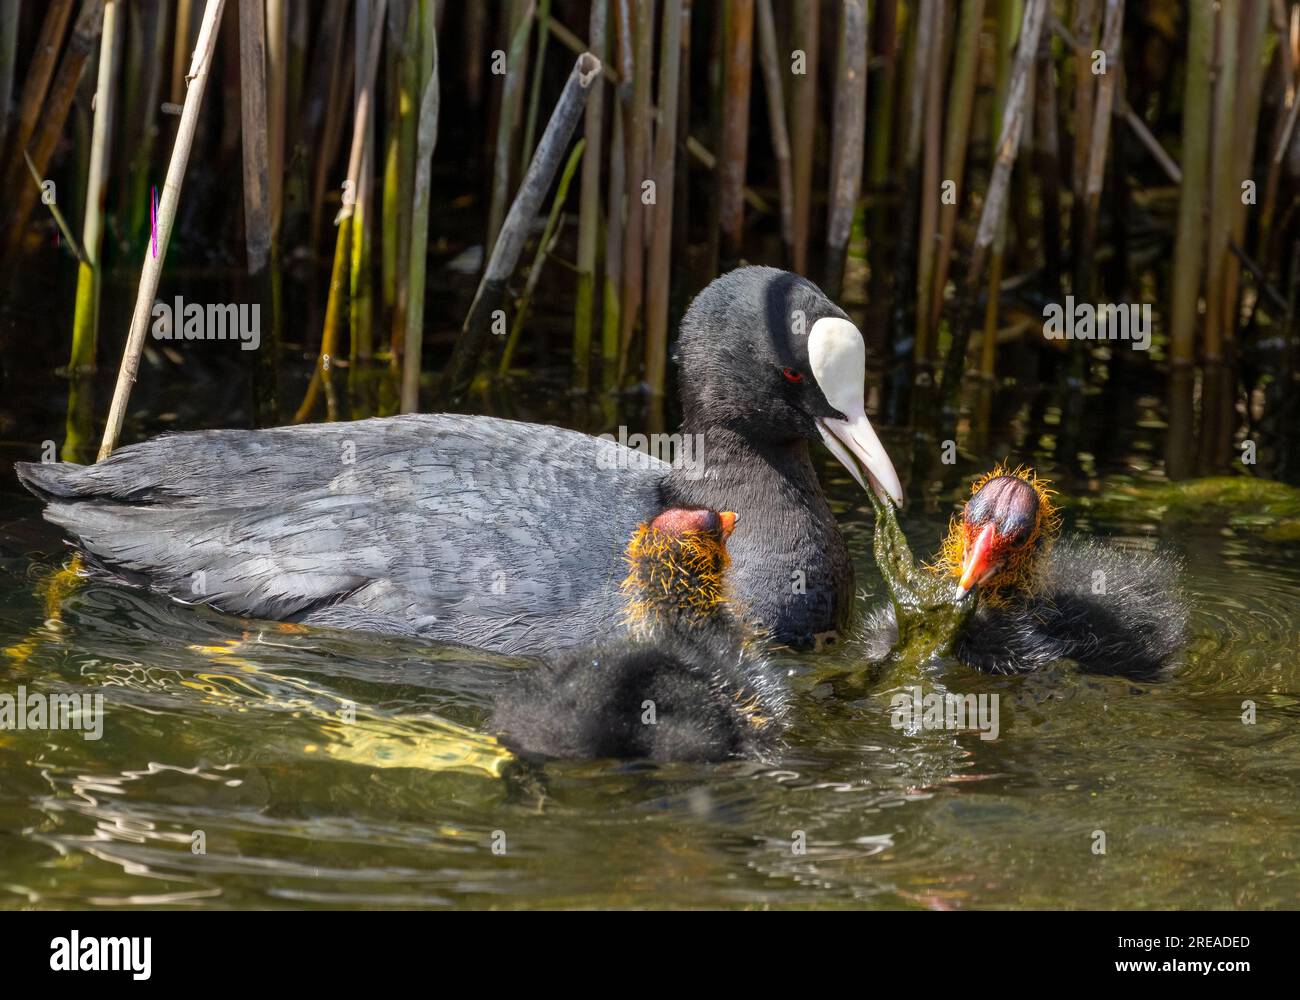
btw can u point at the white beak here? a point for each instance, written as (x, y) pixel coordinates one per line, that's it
(838, 358)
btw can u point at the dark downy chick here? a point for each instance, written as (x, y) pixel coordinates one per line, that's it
(691, 683)
(1041, 598)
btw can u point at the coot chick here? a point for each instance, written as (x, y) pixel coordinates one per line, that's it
(499, 534)
(1043, 598)
(691, 684)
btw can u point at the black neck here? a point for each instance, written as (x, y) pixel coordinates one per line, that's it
(784, 529)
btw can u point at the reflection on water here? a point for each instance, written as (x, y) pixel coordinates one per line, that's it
(319, 768)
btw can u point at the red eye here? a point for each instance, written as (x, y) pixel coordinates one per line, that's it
(791, 375)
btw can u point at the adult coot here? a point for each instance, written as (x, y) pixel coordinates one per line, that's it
(1042, 598)
(498, 534)
(691, 683)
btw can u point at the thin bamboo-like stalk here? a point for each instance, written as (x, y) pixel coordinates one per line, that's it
(848, 142)
(680, 290)
(1008, 148)
(408, 74)
(1007, 24)
(277, 87)
(360, 296)
(1047, 160)
(1189, 236)
(636, 139)
(920, 32)
(1188, 239)
(1152, 144)
(535, 97)
(401, 99)
(505, 255)
(181, 50)
(171, 193)
(927, 235)
(961, 102)
(145, 71)
(252, 94)
(1216, 389)
(1283, 127)
(1087, 14)
(476, 16)
(227, 64)
(39, 73)
(426, 142)
(550, 233)
(329, 88)
(589, 208)
(277, 95)
(805, 31)
(89, 23)
(59, 220)
(770, 63)
(733, 147)
(297, 161)
(884, 97)
(611, 304)
(257, 208)
(333, 307)
(661, 218)
(81, 122)
(881, 215)
(1224, 184)
(1099, 137)
(512, 94)
(85, 321)
(699, 152)
(8, 51)
(1250, 85)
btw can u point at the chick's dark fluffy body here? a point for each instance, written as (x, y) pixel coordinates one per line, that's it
(693, 683)
(667, 700)
(1111, 610)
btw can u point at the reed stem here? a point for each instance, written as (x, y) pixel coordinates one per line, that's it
(426, 142)
(85, 322)
(333, 307)
(200, 67)
(661, 216)
(1008, 148)
(589, 208)
(737, 70)
(505, 255)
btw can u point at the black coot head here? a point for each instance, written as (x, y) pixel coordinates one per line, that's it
(765, 353)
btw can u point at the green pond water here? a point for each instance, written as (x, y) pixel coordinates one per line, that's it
(327, 769)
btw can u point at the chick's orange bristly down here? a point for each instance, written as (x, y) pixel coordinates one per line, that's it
(676, 569)
(1006, 527)
(688, 659)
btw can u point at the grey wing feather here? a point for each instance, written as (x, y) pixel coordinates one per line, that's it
(461, 527)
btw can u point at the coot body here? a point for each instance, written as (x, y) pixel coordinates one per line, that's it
(504, 535)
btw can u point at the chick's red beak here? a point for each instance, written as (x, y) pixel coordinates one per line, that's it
(978, 558)
(728, 518)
